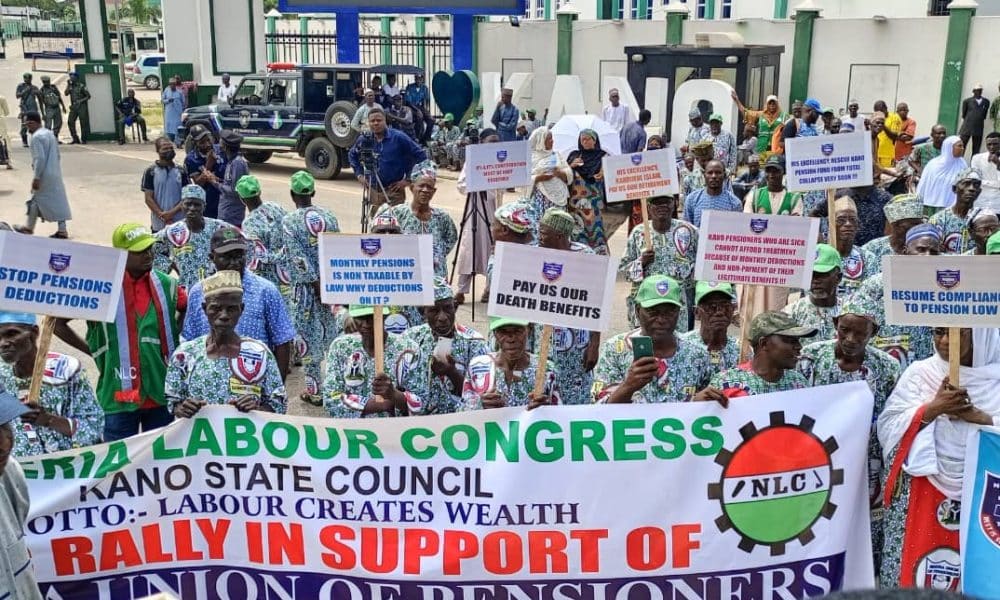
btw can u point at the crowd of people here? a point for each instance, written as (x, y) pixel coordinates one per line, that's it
(221, 297)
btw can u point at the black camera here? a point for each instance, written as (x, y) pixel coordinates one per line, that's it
(366, 151)
(471, 133)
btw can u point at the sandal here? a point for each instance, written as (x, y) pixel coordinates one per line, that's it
(23, 229)
(60, 235)
(311, 399)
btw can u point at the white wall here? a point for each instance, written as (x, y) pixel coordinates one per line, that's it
(599, 51)
(980, 63)
(528, 48)
(187, 35)
(404, 25)
(832, 9)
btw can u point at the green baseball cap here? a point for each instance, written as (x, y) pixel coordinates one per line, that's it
(132, 237)
(777, 323)
(704, 288)
(360, 310)
(715, 117)
(827, 259)
(302, 183)
(248, 186)
(993, 244)
(498, 322)
(659, 289)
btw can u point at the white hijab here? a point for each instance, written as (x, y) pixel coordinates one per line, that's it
(938, 451)
(938, 178)
(542, 160)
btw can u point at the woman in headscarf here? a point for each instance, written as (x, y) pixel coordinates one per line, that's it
(588, 190)
(550, 178)
(419, 217)
(654, 142)
(766, 120)
(479, 209)
(923, 432)
(937, 180)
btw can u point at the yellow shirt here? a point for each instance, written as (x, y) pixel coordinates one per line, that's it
(886, 152)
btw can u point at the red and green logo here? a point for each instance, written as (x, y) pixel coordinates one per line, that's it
(776, 484)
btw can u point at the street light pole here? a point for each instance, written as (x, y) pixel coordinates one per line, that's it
(121, 47)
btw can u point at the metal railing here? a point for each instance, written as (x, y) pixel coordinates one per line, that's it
(431, 52)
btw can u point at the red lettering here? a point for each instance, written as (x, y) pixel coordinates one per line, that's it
(152, 543)
(255, 542)
(682, 544)
(589, 548)
(341, 557)
(646, 548)
(502, 553)
(119, 547)
(545, 548)
(285, 543)
(215, 535)
(373, 560)
(458, 545)
(73, 555)
(419, 543)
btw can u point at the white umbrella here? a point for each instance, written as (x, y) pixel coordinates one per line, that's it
(566, 133)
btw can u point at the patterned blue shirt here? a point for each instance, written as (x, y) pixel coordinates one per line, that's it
(264, 317)
(700, 200)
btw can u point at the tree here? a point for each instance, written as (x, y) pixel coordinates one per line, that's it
(270, 5)
(138, 10)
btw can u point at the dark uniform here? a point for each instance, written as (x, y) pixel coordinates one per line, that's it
(29, 98)
(78, 97)
(54, 107)
(129, 110)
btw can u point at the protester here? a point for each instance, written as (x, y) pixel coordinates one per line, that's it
(398, 155)
(723, 143)
(806, 126)
(698, 130)
(505, 116)
(856, 263)
(985, 163)
(765, 121)
(507, 377)
(936, 187)
(902, 214)
(776, 340)
(983, 225)
(712, 197)
(29, 99)
(128, 112)
(263, 231)
(48, 193)
(174, 102)
(132, 351)
(716, 304)
(748, 147)
(313, 320)
(694, 179)
(185, 246)
(206, 165)
(550, 175)
(401, 117)
(418, 97)
(633, 134)
(900, 129)
(161, 185)
(17, 575)
(263, 316)
(850, 358)
(675, 246)
(221, 366)
(821, 304)
(953, 222)
(79, 97)
(678, 367)
(836, 125)
(923, 432)
(533, 122)
(474, 247)
(231, 208)
(445, 350)
(444, 143)
(752, 177)
(615, 113)
(654, 142)
(512, 223)
(974, 112)
(587, 196)
(924, 153)
(359, 122)
(857, 120)
(352, 389)
(870, 202)
(774, 198)
(227, 90)
(52, 103)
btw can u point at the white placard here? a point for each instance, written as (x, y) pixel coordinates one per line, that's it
(641, 175)
(828, 161)
(387, 270)
(942, 291)
(59, 278)
(552, 287)
(496, 166)
(751, 249)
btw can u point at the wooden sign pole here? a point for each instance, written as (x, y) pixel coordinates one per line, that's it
(646, 232)
(954, 355)
(831, 200)
(543, 359)
(379, 329)
(45, 329)
(749, 294)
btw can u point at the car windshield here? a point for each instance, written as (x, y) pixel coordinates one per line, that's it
(250, 92)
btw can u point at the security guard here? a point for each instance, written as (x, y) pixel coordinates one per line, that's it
(78, 98)
(53, 106)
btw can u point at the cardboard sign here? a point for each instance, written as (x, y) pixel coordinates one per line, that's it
(59, 278)
(752, 249)
(388, 270)
(497, 166)
(828, 161)
(942, 291)
(552, 287)
(641, 175)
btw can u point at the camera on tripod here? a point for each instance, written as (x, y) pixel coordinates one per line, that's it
(366, 151)
(471, 133)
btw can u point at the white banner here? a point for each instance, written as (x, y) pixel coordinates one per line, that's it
(497, 166)
(59, 278)
(552, 287)
(389, 270)
(641, 175)
(680, 500)
(828, 161)
(942, 291)
(751, 249)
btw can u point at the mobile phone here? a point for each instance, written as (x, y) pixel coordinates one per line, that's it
(642, 346)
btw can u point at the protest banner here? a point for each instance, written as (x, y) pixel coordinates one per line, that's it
(828, 162)
(640, 175)
(942, 291)
(980, 533)
(497, 166)
(483, 504)
(58, 279)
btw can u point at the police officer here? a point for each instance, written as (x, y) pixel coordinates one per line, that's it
(128, 111)
(29, 99)
(78, 98)
(53, 105)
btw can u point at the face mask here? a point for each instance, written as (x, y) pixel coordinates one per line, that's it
(168, 155)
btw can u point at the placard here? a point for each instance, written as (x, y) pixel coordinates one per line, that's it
(497, 166)
(552, 287)
(59, 278)
(942, 291)
(980, 535)
(386, 270)
(752, 249)
(641, 175)
(828, 161)
(481, 504)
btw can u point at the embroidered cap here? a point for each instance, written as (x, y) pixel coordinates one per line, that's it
(302, 183)
(862, 306)
(248, 187)
(17, 318)
(559, 220)
(513, 216)
(442, 291)
(385, 221)
(904, 206)
(223, 282)
(193, 191)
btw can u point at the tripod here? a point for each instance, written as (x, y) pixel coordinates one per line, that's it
(475, 209)
(371, 177)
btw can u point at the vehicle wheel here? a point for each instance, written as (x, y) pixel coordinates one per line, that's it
(152, 82)
(257, 157)
(338, 124)
(322, 158)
